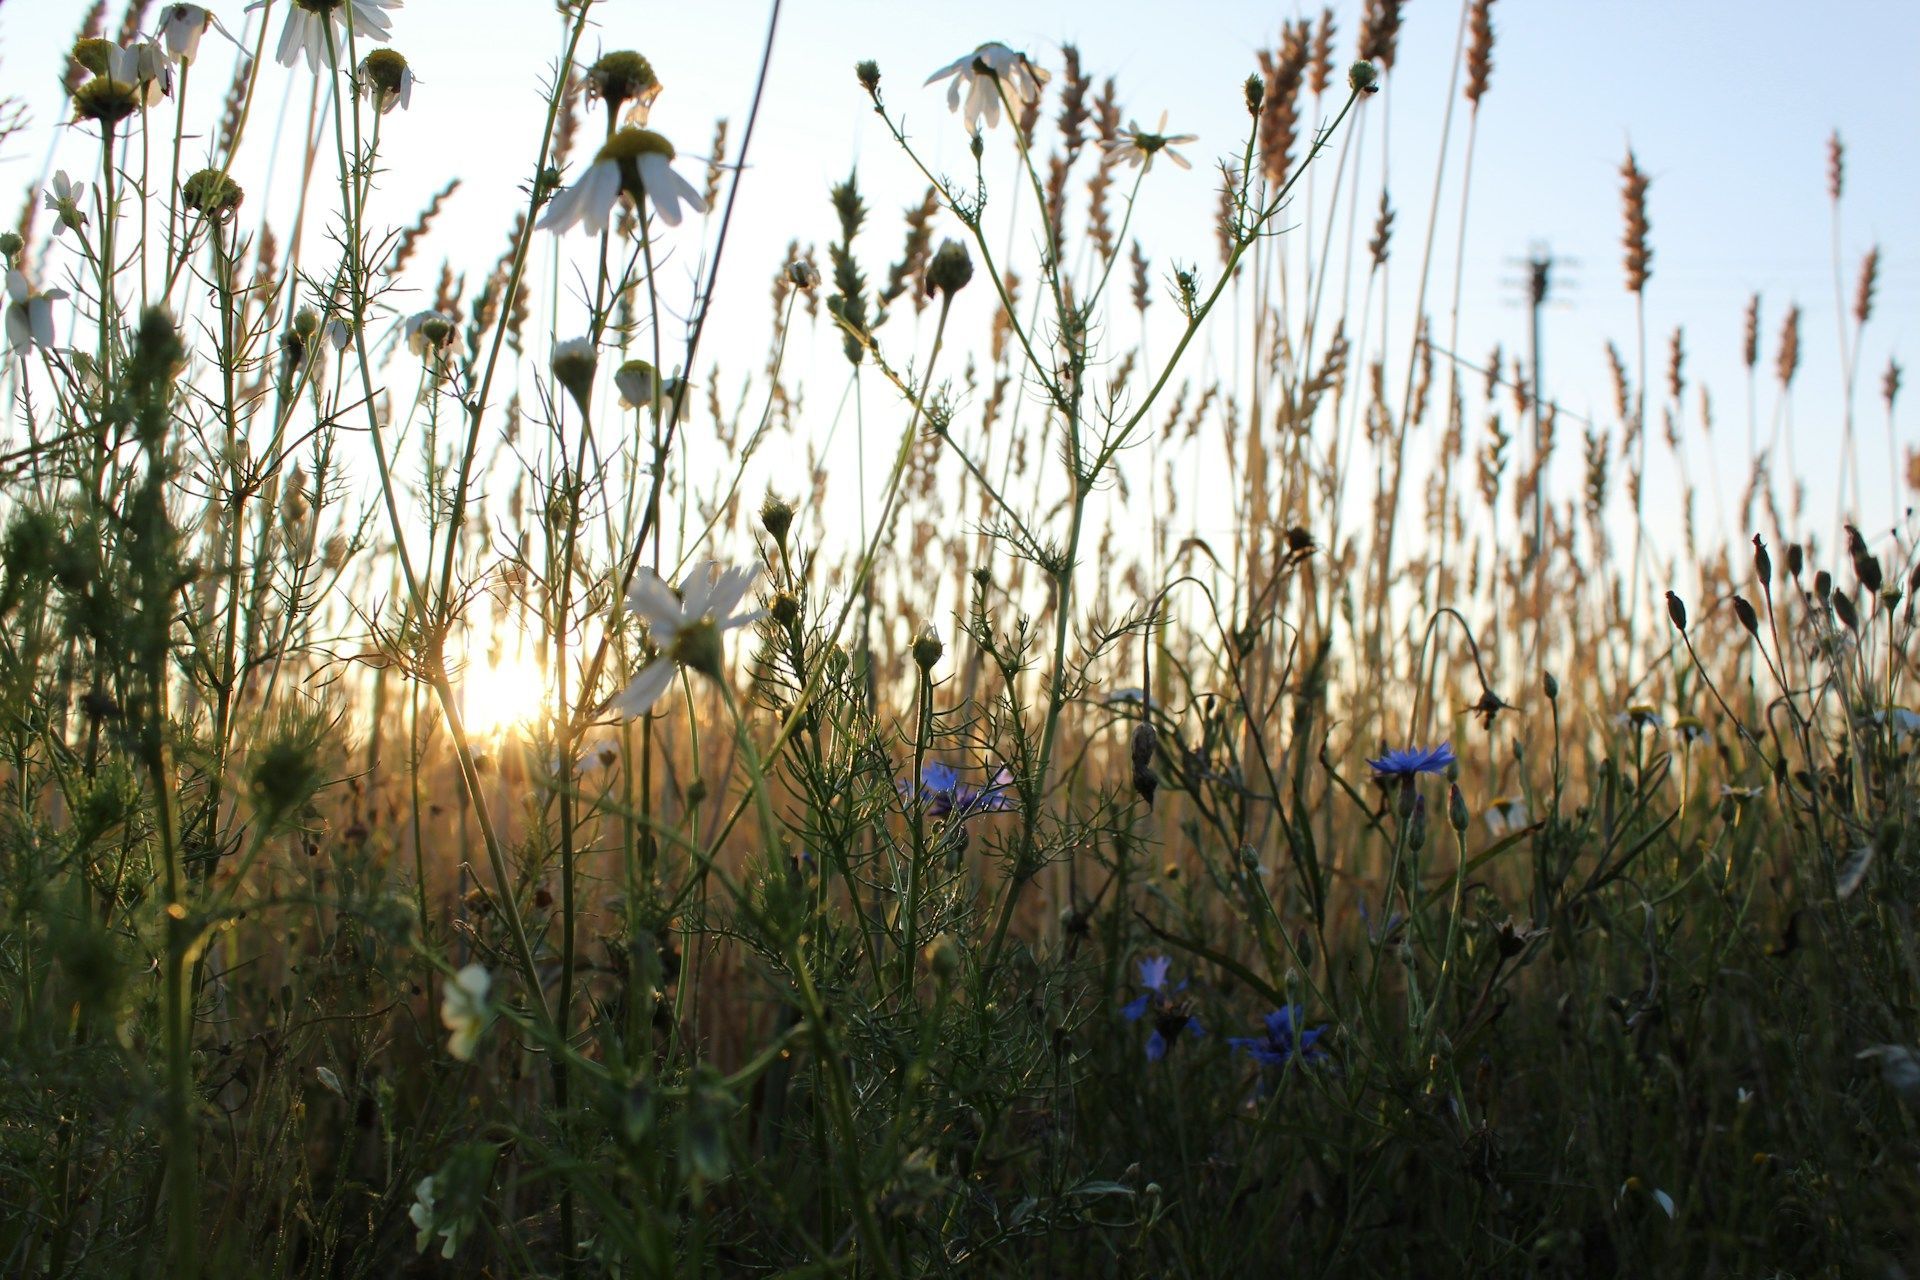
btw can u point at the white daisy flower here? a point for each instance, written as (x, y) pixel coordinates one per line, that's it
(634, 161)
(463, 1009)
(182, 25)
(685, 626)
(67, 200)
(1506, 813)
(981, 73)
(387, 80)
(308, 22)
(430, 332)
(1137, 147)
(421, 1214)
(29, 314)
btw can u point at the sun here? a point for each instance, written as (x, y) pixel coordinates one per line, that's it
(500, 697)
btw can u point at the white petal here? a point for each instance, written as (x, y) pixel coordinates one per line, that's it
(952, 68)
(292, 39)
(653, 601)
(40, 316)
(646, 689)
(697, 587)
(17, 287)
(602, 191)
(19, 336)
(733, 585)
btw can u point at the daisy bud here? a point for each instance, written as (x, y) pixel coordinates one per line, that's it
(802, 274)
(776, 517)
(927, 648)
(1256, 94)
(1677, 610)
(212, 194)
(573, 364)
(785, 609)
(339, 334)
(620, 77)
(1748, 618)
(10, 246)
(868, 73)
(951, 268)
(1362, 78)
(1456, 808)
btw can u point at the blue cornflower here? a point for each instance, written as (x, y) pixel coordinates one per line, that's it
(1405, 762)
(945, 795)
(1282, 1039)
(1171, 1016)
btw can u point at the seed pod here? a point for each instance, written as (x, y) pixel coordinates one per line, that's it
(1822, 586)
(1795, 559)
(1677, 610)
(1843, 607)
(1748, 619)
(1762, 563)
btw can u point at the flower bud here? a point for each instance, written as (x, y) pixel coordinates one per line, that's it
(1677, 610)
(1795, 559)
(10, 246)
(573, 364)
(802, 274)
(1748, 618)
(1456, 808)
(927, 648)
(1843, 608)
(776, 517)
(1362, 78)
(951, 268)
(1417, 824)
(1256, 94)
(785, 608)
(868, 74)
(1762, 563)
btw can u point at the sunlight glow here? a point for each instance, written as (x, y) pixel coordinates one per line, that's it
(500, 697)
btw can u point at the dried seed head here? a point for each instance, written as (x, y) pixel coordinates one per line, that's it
(1864, 287)
(950, 269)
(868, 74)
(1479, 50)
(1748, 618)
(1750, 350)
(1633, 198)
(1677, 610)
(1762, 564)
(1836, 165)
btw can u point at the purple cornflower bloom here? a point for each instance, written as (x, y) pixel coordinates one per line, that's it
(1405, 762)
(1171, 1016)
(945, 795)
(1282, 1040)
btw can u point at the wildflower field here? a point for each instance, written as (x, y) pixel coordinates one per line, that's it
(1060, 748)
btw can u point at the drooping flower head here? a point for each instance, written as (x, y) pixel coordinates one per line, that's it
(319, 29)
(430, 333)
(1406, 762)
(181, 26)
(1171, 1014)
(124, 80)
(982, 74)
(635, 162)
(1506, 813)
(387, 80)
(1282, 1039)
(685, 626)
(1136, 146)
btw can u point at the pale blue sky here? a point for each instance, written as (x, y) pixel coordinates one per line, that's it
(1728, 105)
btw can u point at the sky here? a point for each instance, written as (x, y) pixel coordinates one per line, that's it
(1726, 103)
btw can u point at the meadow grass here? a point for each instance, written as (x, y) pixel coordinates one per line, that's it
(484, 798)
